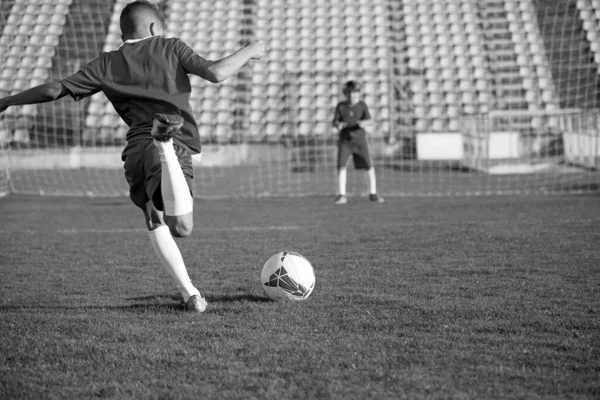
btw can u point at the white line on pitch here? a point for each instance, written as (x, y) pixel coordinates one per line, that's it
(207, 229)
(406, 224)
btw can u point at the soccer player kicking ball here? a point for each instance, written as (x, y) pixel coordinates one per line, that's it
(146, 80)
(350, 116)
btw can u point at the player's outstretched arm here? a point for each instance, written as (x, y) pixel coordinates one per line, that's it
(227, 66)
(39, 94)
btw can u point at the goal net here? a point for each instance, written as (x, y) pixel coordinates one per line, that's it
(467, 96)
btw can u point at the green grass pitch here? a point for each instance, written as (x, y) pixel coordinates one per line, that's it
(442, 298)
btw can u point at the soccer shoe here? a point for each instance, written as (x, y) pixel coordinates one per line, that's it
(340, 199)
(165, 126)
(375, 199)
(195, 303)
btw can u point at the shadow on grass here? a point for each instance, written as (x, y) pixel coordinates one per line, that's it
(227, 298)
(146, 307)
(138, 308)
(143, 304)
(231, 298)
(174, 297)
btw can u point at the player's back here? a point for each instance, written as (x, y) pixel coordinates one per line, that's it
(149, 65)
(144, 77)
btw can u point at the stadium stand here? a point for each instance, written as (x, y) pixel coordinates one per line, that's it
(29, 40)
(310, 50)
(430, 68)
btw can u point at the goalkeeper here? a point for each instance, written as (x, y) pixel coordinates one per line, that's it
(349, 117)
(146, 80)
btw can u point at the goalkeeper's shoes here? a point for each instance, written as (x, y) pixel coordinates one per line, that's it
(165, 126)
(373, 197)
(195, 303)
(340, 199)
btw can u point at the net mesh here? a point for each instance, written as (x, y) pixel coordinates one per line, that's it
(467, 96)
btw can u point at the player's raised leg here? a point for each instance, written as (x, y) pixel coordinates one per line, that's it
(170, 257)
(177, 199)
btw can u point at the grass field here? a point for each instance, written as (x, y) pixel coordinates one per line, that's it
(445, 298)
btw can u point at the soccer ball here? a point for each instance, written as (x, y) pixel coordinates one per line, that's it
(287, 276)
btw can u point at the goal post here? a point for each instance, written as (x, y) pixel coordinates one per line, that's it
(522, 141)
(581, 139)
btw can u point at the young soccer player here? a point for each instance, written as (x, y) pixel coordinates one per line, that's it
(351, 116)
(146, 80)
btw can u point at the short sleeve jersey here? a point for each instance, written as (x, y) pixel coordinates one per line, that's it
(143, 78)
(351, 115)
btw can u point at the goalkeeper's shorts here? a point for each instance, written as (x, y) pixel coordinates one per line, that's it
(143, 171)
(357, 148)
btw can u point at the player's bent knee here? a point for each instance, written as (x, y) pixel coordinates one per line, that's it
(181, 232)
(180, 226)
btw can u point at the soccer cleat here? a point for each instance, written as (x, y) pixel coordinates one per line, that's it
(375, 199)
(165, 126)
(340, 199)
(195, 303)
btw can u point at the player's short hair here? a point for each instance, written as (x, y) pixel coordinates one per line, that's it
(352, 86)
(135, 12)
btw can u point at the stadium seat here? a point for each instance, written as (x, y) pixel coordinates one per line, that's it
(324, 42)
(273, 129)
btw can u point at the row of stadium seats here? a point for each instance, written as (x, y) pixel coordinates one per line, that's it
(336, 43)
(530, 51)
(28, 41)
(446, 63)
(447, 49)
(343, 50)
(590, 14)
(455, 57)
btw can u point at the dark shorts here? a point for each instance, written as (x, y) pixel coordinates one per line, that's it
(358, 148)
(143, 171)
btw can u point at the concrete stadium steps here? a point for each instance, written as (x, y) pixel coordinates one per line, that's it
(574, 70)
(402, 108)
(507, 84)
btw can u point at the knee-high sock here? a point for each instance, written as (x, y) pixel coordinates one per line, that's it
(175, 192)
(170, 257)
(372, 180)
(342, 174)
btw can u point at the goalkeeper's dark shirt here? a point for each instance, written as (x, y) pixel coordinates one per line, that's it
(142, 78)
(351, 114)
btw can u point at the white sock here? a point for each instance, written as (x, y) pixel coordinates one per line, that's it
(170, 257)
(342, 174)
(372, 180)
(176, 195)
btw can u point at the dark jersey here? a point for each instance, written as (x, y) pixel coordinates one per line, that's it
(351, 115)
(143, 78)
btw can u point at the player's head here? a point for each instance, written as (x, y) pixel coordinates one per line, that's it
(352, 90)
(139, 19)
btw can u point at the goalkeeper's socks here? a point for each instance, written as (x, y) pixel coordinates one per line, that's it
(175, 192)
(170, 257)
(342, 177)
(372, 180)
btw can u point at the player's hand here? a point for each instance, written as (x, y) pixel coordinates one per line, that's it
(258, 49)
(342, 124)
